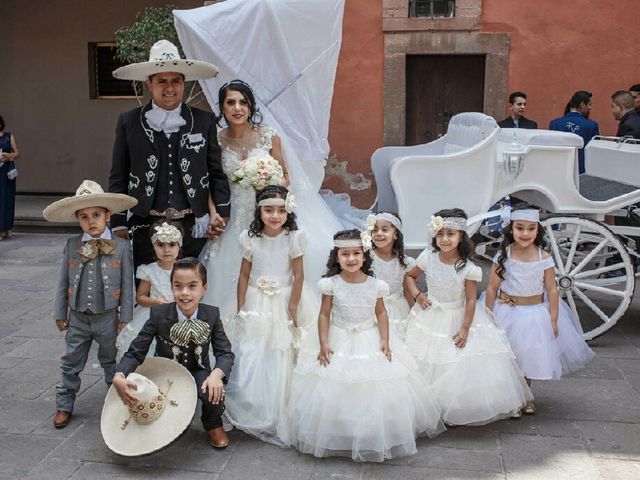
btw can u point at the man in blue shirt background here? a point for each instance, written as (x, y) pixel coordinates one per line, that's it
(576, 121)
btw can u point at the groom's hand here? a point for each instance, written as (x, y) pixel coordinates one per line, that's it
(216, 226)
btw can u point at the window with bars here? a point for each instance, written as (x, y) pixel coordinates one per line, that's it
(432, 8)
(102, 63)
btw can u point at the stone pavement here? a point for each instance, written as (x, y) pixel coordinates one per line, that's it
(587, 426)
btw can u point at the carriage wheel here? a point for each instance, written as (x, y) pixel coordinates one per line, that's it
(594, 271)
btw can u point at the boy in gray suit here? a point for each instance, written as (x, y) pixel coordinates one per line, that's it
(96, 278)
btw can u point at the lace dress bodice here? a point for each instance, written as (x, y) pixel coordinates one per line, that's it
(158, 278)
(354, 304)
(524, 279)
(392, 272)
(271, 257)
(234, 151)
(444, 284)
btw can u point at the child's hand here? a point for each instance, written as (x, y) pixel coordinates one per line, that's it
(423, 300)
(120, 326)
(62, 325)
(214, 386)
(554, 326)
(161, 301)
(125, 389)
(384, 347)
(324, 357)
(293, 314)
(460, 338)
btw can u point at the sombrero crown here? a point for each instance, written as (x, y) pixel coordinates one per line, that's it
(166, 401)
(89, 194)
(164, 57)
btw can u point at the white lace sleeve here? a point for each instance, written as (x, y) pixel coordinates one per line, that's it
(298, 243)
(325, 285)
(473, 272)
(382, 289)
(245, 245)
(548, 263)
(423, 260)
(143, 273)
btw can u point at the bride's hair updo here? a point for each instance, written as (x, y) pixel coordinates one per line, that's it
(271, 191)
(255, 117)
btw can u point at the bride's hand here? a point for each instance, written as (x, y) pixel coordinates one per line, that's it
(216, 226)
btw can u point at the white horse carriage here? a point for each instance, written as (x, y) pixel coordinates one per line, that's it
(476, 164)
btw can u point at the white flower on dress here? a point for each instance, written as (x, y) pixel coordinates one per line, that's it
(268, 286)
(289, 203)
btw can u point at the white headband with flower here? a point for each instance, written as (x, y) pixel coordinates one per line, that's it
(391, 218)
(289, 203)
(507, 215)
(437, 223)
(167, 233)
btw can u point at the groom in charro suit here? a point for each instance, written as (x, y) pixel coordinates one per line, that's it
(166, 155)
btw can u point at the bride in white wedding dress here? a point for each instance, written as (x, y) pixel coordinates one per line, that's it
(245, 136)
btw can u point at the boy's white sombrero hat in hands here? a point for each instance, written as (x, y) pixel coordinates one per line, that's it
(164, 57)
(167, 397)
(89, 194)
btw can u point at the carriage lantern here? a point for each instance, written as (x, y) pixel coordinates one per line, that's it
(513, 158)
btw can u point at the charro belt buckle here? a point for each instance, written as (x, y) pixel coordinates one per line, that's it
(173, 214)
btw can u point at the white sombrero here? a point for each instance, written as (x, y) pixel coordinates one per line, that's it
(164, 57)
(167, 397)
(89, 194)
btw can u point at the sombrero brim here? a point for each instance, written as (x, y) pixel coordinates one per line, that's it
(64, 210)
(191, 69)
(138, 439)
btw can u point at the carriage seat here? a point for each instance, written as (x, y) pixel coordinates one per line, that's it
(466, 130)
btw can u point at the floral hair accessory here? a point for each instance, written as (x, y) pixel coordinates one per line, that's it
(167, 233)
(455, 223)
(367, 233)
(290, 202)
(351, 242)
(529, 214)
(391, 218)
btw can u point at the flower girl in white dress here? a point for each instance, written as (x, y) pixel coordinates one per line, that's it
(355, 397)
(545, 335)
(155, 283)
(272, 302)
(390, 265)
(464, 357)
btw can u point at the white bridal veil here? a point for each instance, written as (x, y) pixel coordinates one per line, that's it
(287, 50)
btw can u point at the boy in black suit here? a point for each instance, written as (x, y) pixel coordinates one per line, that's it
(184, 330)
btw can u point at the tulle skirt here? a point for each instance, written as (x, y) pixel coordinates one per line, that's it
(360, 405)
(542, 356)
(263, 340)
(398, 313)
(131, 330)
(473, 385)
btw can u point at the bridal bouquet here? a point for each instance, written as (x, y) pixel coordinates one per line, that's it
(259, 171)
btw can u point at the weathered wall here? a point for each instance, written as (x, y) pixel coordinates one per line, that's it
(356, 125)
(63, 135)
(560, 47)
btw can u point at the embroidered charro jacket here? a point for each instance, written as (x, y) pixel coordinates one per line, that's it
(98, 285)
(137, 156)
(188, 342)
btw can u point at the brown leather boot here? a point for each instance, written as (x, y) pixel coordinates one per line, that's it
(218, 438)
(61, 419)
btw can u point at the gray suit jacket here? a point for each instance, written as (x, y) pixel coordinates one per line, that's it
(117, 276)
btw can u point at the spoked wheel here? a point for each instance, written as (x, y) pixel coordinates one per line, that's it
(594, 271)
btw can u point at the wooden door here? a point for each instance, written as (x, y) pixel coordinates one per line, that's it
(438, 87)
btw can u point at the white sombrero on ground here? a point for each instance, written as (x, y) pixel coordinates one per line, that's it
(167, 395)
(89, 194)
(164, 57)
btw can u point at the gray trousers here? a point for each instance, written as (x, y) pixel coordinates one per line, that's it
(83, 329)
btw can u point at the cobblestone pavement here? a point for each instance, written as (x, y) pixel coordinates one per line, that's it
(587, 426)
